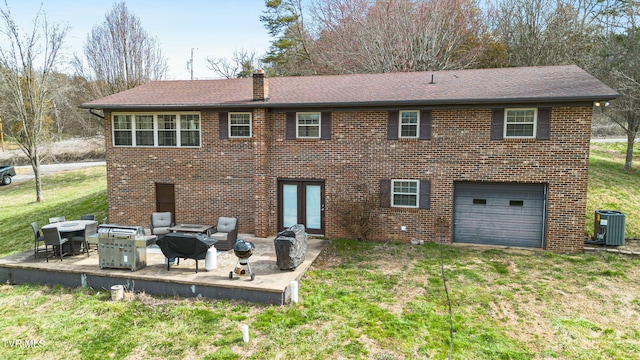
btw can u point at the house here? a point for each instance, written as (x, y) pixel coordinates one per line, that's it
(487, 156)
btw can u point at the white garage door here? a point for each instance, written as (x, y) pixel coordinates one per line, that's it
(499, 214)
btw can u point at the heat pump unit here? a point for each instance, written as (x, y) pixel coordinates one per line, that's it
(609, 227)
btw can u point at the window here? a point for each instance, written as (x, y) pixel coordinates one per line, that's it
(520, 123)
(240, 125)
(404, 193)
(189, 130)
(409, 124)
(167, 135)
(144, 130)
(308, 125)
(147, 129)
(122, 130)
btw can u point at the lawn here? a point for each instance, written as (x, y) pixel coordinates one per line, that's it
(358, 300)
(71, 194)
(612, 188)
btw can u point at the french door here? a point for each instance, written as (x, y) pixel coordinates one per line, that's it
(301, 202)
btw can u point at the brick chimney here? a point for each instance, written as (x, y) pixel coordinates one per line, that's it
(260, 86)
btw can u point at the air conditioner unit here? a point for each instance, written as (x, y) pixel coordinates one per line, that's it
(609, 227)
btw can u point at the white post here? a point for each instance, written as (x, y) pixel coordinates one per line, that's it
(294, 291)
(245, 333)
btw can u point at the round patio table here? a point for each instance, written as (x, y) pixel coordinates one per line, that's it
(69, 228)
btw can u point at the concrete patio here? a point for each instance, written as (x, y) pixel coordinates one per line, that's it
(271, 285)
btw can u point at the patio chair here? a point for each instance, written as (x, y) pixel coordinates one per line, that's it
(160, 223)
(37, 238)
(88, 217)
(52, 237)
(226, 232)
(89, 230)
(57, 219)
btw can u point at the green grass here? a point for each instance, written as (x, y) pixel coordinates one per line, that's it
(370, 303)
(358, 301)
(70, 194)
(612, 188)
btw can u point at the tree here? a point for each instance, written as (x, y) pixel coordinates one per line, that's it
(620, 61)
(546, 32)
(27, 80)
(362, 36)
(290, 51)
(242, 65)
(120, 54)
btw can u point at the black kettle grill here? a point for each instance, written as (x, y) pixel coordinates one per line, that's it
(243, 251)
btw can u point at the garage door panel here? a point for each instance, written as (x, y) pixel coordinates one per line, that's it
(499, 213)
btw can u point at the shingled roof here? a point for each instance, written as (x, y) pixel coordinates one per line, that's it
(548, 84)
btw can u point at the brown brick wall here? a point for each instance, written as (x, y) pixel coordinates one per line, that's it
(239, 177)
(214, 180)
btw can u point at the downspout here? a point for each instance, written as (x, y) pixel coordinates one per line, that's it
(96, 114)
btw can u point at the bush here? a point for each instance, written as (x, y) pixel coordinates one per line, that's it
(356, 214)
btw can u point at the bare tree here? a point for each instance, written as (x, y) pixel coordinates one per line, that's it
(398, 35)
(546, 32)
(620, 61)
(241, 65)
(120, 54)
(28, 84)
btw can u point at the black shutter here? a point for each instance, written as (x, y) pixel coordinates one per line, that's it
(425, 194)
(425, 125)
(385, 193)
(223, 127)
(497, 124)
(325, 124)
(291, 126)
(543, 131)
(392, 125)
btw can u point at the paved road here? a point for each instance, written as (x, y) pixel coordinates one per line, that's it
(51, 169)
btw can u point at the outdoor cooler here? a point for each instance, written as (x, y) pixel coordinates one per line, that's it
(291, 246)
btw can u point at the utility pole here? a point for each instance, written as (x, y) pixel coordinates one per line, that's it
(191, 62)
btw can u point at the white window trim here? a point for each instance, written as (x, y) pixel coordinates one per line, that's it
(417, 194)
(535, 124)
(250, 125)
(131, 131)
(178, 129)
(298, 125)
(400, 125)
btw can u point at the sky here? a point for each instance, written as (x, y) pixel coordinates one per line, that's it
(213, 28)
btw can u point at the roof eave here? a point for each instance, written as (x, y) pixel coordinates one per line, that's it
(490, 102)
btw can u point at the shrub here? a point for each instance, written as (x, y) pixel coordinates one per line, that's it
(356, 214)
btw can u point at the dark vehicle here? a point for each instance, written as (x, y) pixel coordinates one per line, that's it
(6, 172)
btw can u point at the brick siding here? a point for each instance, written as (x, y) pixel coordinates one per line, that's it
(239, 177)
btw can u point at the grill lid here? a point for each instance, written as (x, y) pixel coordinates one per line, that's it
(243, 249)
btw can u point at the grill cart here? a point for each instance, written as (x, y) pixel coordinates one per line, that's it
(243, 251)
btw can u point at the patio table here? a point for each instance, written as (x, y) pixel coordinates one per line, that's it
(69, 228)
